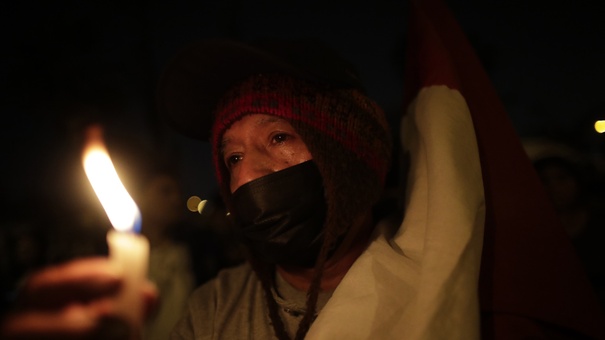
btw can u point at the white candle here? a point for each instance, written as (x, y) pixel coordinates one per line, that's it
(130, 254)
(128, 251)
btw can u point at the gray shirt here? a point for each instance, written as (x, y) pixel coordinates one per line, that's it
(233, 306)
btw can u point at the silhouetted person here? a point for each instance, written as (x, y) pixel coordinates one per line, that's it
(581, 212)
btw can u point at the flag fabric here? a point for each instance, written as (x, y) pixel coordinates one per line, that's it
(532, 282)
(418, 279)
(480, 252)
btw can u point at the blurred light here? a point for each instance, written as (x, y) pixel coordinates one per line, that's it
(192, 203)
(599, 126)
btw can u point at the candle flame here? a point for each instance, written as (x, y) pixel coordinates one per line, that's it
(121, 209)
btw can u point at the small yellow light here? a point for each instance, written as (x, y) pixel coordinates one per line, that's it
(193, 202)
(599, 126)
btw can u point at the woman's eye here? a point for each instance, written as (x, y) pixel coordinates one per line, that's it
(232, 160)
(279, 138)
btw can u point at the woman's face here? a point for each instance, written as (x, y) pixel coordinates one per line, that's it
(259, 144)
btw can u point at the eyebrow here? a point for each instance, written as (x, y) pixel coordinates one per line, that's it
(269, 119)
(264, 120)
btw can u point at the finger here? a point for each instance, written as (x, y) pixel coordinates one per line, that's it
(74, 322)
(108, 306)
(78, 280)
(150, 296)
(96, 320)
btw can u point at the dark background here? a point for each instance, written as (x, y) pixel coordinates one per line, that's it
(68, 63)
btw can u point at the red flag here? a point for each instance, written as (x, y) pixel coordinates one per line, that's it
(531, 282)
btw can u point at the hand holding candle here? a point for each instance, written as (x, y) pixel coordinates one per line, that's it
(90, 298)
(128, 251)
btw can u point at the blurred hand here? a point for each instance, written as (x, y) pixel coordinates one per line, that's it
(74, 300)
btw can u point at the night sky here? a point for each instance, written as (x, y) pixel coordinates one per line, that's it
(66, 63)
